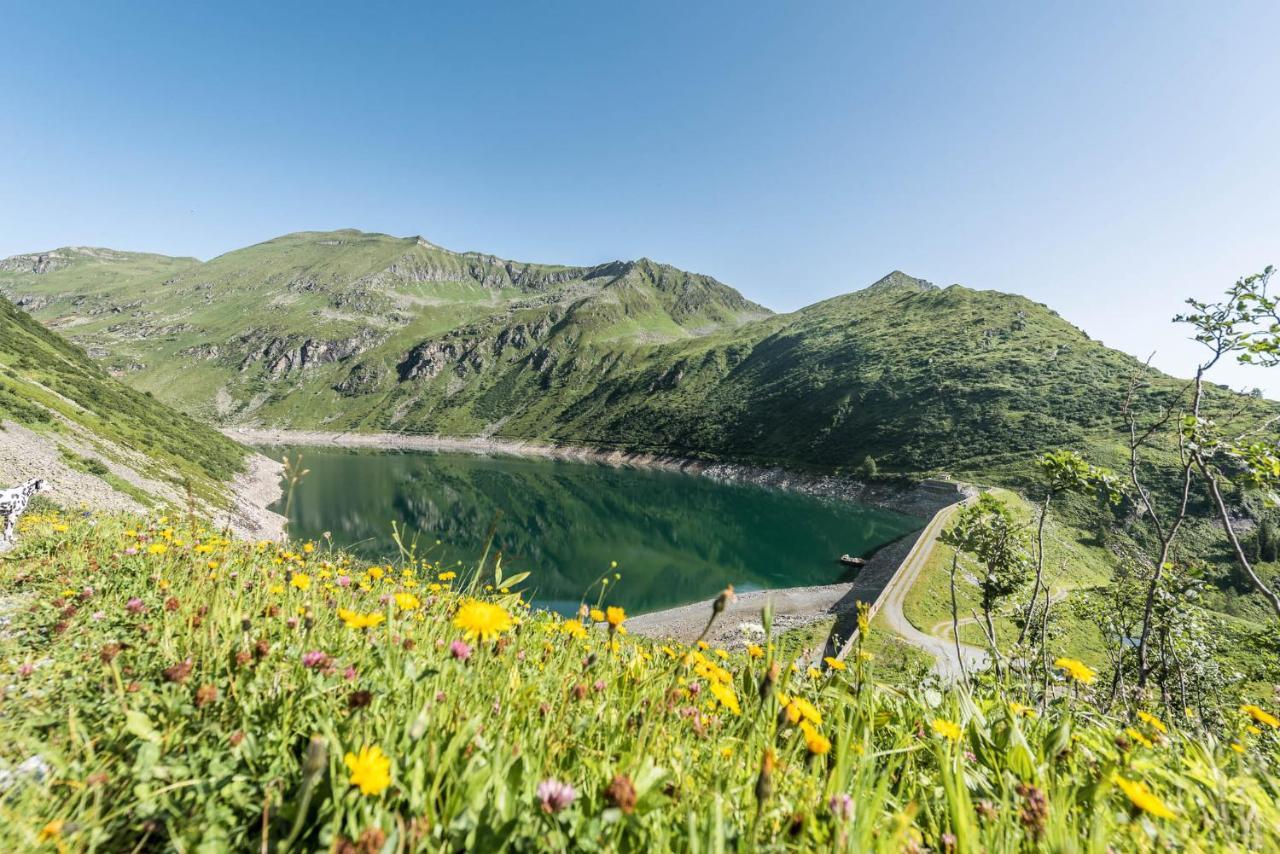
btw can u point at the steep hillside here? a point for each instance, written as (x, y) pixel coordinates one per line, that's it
(98, 441)
(350, 322)
(354, 331)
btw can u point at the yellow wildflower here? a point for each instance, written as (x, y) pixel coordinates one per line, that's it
(482, 620)
(1152, 721)
(1019, 710)
(301, 580)
(755, 651)
(407, 601)
(1138, 737)
(725, 695)
(1077, 670)
(1237, 747)
(1142, 797)
(157, 548)
(355, 620)
(370, 770)
(817, 743)
(1262, 717)
(834, 663)
(615, 616)
(574, 629)
(814, 673)
(806, 709)
(947, 729)
(52, 830)
(447, 576)
(597, 616)
(376, 573)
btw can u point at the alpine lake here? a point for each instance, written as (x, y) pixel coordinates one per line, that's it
(676, 538)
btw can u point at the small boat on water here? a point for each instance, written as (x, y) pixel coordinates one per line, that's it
(849, 560)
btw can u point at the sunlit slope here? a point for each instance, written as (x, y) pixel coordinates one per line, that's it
(63, 402)
(349, 330)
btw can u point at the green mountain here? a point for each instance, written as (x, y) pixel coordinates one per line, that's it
(62, 417)
(354, 331)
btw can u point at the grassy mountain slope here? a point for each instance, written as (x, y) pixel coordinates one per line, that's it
(53, 398)
(347, 330)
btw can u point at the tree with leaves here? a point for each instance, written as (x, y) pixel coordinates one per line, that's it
(1062, 472)
(987, 531)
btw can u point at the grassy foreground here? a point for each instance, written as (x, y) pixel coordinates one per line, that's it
(164, 687)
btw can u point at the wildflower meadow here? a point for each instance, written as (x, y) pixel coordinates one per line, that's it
(166, 687)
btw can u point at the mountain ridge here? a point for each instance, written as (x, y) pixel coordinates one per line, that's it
(364, 331)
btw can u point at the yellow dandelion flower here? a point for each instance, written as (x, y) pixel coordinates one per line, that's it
(814, 673)
(1261, 716)
(356, 620)
(726, 697)
(157, 549)
(596, 615)
(308, 548)
(52, 830)
(447, 576)
(1237, 747)
(807, 710)
(1019, 710)
(1152, 721)
(947, 729)
(834, 663)
(574, 629)
(1077, 670)
(482, 620)
(376, 573)
(615, 616)
(407, 601)
(301, 581)
(816, 742)
(755, 651)
(1143, 798)
(722, 654)
(370, 770)
(1138, 737)
(275, 589)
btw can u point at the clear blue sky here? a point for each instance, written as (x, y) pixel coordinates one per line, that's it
(1107, 159)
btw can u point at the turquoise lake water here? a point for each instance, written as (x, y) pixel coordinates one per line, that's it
(677, 538)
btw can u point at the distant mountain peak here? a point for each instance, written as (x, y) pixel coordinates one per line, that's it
(898, 280)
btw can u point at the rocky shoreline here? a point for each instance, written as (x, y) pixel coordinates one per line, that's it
(923, 498)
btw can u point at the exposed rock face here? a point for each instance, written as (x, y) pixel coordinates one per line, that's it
(38, 263)
(429, 358)
(202, 351)
(364, 378)
(31, 302)
(285, 355)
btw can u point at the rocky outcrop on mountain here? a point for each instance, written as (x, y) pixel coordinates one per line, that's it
(363, 378)
(487, 271)
(285, 355)
(36, 262)
(202, 351)
(32, 302)
(428, 359)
